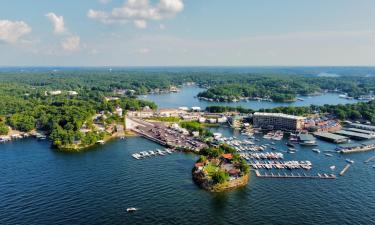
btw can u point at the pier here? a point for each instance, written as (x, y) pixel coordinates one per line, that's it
(345, 169)
(295, 175)
(355, 148)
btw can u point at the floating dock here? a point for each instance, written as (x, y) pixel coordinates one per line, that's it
(345, 169)
(335, 138)
(359, 147)
(363, 126)
(295, 175)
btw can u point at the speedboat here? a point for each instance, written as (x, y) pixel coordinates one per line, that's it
(316, 150)
(349, 161)
(131, 209)
(332, 167)
(328, 154)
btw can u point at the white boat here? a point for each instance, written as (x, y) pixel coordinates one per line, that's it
(136, 156)
(349, 161)
(316, 150)
(332, 167)
(328, 154)
(131, 209)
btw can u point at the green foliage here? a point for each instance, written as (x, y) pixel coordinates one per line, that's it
(220, 177)
(196, 126)
(244, 167)
(22, 122)
(222, 109)
(3, 128)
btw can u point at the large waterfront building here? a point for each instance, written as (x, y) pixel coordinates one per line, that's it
(278, 121)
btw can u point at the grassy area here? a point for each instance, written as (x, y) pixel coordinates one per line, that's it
(165, 119)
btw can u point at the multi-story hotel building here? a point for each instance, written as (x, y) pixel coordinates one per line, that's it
(278, 121)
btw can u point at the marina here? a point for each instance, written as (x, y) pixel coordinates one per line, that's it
(273, 164)
(152, 153)
(295, 175)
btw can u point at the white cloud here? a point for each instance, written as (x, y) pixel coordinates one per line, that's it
(141, 24)
(12, 31)
(71, 44)
(57, 22)
(139, 10)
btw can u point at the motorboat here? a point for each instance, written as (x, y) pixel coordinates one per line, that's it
(349, 161)
(131, 209)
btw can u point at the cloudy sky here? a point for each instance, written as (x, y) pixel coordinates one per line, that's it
(186, 32)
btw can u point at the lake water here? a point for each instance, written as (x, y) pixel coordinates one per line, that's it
(187, 97)
(41, 186)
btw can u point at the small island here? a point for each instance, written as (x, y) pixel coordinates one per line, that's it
(220, 169)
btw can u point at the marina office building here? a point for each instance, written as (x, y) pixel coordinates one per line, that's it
(278, 121)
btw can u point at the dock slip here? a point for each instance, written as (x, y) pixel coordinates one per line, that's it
(370, 159)
(345, 169)
(295, 175)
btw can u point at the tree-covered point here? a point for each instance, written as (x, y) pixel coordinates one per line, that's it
(223, 109)
(286, 88)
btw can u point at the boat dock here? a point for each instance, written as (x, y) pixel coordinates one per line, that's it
(331, 137)
(360, 147)
(295, 175)
(345, 169)
(280, 164)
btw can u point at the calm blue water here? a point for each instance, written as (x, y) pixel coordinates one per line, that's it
(41, 186)
(187, 98)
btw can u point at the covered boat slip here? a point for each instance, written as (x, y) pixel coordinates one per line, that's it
(354, 135)
(331, 137)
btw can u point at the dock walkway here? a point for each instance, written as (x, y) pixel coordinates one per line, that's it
(296, 175)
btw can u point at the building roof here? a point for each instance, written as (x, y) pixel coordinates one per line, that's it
(282, 115)
(354, 134)
(329, 136)
(360, 131)
(227, 156)
(367, 127)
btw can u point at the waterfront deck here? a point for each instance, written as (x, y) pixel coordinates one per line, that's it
(295, 175)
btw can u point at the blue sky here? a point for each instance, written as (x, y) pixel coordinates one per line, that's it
(187, 32)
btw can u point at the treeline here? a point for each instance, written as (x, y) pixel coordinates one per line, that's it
(358, 111)
(223, 109)
(286, 88)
